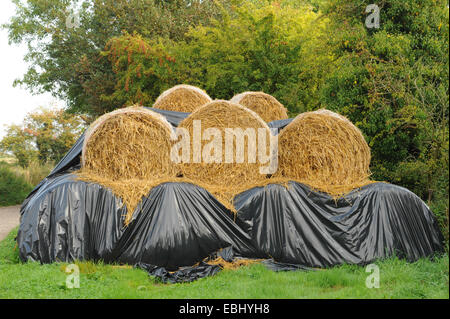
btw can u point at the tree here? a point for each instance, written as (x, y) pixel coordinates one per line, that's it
(46, 135)
(393, 83)
(65, 38)
(275, 48)
(143, 69)
(20, 144)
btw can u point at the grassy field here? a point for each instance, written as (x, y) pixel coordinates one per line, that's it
(398, 279)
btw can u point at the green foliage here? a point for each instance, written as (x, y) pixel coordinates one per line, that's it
(142, 69)
(392, 83)
(9, 255)
(46, 134)
(19, 144)
(13, 188)
(66, 62)
(34, 173)
(272, 48)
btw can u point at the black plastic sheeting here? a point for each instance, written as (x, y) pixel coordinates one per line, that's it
(279, 124)
(298, 226)
(183, 274)
(179, 225)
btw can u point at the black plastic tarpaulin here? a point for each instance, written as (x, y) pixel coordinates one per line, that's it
(178, 224)
(181, 224)
(298, 226)
(279, 124)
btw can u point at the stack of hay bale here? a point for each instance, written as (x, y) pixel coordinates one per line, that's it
(129, 150)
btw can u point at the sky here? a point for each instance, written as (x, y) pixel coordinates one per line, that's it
(16, 102)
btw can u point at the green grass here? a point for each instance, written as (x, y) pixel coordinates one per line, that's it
(398, 279)
(33, 173)
(8, 159)
(13, 188)
(17, 182)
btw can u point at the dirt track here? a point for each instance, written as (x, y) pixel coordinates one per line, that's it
(9, 218)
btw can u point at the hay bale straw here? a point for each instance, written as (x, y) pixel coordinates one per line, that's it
(263, 104)
(128, 150)
(324, 150)
(232, 265)
(129, 143)
(182, 98)
(225, 177)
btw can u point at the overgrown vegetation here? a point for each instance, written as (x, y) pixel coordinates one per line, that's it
(16, 181)
(393, 84)
(45, 136)
(34, 173)
(30, 151)
(65, 61)
(13, 187)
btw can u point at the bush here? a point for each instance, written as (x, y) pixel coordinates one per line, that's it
(34, 172)
(392, 82)
(13, 188)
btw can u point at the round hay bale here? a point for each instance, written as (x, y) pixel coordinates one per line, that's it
(324, 150)
(232, 175)
(182, 98)
(128, 151)
(263, 104)
(128, 143)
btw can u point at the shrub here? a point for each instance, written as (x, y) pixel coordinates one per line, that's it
(13, 188)
(34, 172)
